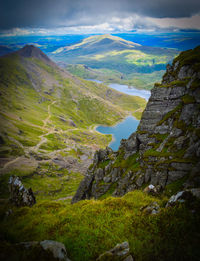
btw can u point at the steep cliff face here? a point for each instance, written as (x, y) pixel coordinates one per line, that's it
(166, 146)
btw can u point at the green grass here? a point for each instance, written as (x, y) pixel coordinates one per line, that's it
(89, 228)
(190, 57)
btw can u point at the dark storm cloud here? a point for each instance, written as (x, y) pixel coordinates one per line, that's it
(50, 13)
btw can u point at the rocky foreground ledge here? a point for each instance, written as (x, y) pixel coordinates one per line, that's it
(166, 146)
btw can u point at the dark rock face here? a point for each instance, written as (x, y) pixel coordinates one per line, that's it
(19, 195)
(166, 146)
(119, 253)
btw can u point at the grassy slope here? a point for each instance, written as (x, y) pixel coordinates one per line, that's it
(89, 228)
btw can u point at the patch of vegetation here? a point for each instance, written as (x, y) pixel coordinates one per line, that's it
(173, 113)
(195, 84)
(187, 99)
(175, 187)
(89, 228)
(103, 164)
(189, 57)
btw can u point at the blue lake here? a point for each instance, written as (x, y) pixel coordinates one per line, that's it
(130, 90)
(120, 131)
(127, 90)
(129, 125)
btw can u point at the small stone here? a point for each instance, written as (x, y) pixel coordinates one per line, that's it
(119, 253)
(151, 189)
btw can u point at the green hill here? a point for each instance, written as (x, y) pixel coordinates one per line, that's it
(110, 56)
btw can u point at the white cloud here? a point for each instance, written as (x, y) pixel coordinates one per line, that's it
(181, 23)
(114, 24)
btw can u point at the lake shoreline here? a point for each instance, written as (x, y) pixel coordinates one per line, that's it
(121, 130)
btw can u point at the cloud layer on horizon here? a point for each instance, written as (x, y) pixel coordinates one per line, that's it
(88, 16)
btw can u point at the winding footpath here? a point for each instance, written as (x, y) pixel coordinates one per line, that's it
(23, 160)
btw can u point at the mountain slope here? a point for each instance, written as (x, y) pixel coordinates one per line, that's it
(91, 227)
(47, 117)
(166, 146)
(117, 56)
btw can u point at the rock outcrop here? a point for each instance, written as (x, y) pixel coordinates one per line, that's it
(166, 146)
(19, 195)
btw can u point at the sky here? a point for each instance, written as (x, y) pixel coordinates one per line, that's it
(47, 17)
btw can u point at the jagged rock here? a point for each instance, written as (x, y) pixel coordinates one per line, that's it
(19, 195)
(102, 155)
(131, 145)
(151, 209)
(84, 189)
(119, 253)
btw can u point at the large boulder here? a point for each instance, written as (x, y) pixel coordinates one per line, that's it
(19, 195)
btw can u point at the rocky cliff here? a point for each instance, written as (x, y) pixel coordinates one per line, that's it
(166, 146)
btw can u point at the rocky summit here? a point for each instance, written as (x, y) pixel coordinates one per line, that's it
(166, 146)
